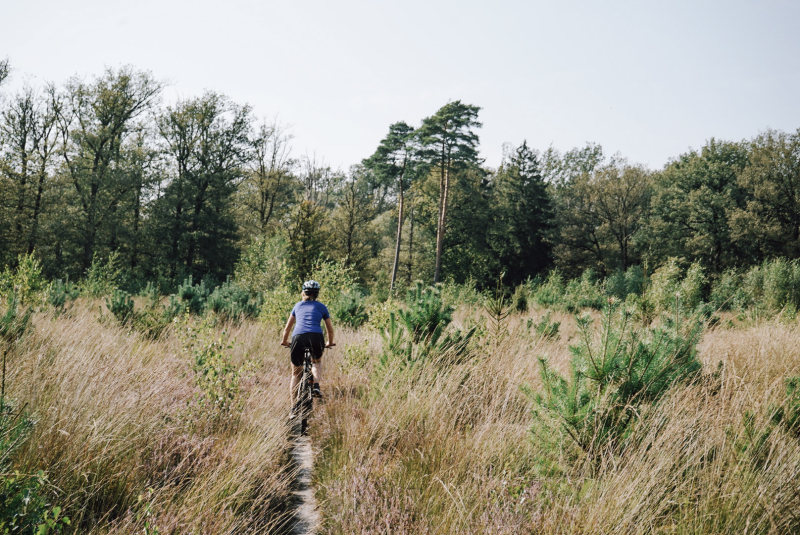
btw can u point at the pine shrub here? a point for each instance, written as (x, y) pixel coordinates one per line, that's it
(585, 292)
(121, 306)
(614, 378)
(552, 291)
(233, 302)
(349, 309)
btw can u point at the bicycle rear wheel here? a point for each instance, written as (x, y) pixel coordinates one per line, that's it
(305, 399)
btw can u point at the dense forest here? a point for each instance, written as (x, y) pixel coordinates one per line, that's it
(102, 166)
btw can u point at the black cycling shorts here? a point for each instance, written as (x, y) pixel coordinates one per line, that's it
(301, 341)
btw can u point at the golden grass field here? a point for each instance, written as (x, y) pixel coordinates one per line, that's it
(441, 450)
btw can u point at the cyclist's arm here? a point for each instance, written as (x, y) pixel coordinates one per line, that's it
(329, 329)
(287, 330)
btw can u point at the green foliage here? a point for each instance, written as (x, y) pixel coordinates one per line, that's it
(404, 351)
(622, 284)
(23, 506)
(215, 375)
(669, 287)
(233, 302)
(418, 334)
(189, 297)
(356, 356)
(60, 293)
(497, 311)
(585, 292)
(25, 283)
(552, 291)
(349, 309)
(427, 315)
(614, 378)
(788, 414)
(544, 328)
(277, 305)
(121, 306)
(519, 301)
(334, 278)
(465, 293)
(262, 267)
(726, 291)
(102, 278)
(14, 322)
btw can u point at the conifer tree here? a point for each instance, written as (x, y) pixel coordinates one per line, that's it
(523, 216)
(448, 145)
(393, 162)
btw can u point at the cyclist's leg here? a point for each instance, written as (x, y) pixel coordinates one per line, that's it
(317, 347)
(297, 354)
(297, 375)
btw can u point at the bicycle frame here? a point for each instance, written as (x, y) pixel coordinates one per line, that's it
(305, 401)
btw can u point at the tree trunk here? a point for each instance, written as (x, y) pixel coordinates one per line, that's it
(411, 245)
(37, 206)
(442, 215)
(399, 232)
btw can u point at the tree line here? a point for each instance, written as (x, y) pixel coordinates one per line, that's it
(91, 168)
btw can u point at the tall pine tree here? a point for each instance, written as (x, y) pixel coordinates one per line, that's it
(393, 163)
(448, 145)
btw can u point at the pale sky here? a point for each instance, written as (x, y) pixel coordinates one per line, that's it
(645, 79)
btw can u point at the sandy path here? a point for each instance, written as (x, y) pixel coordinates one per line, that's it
(306, 514)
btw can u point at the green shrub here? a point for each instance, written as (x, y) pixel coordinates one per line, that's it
(585, 292)
(455, 294)
(262, 267)
(60, 293)
(788, 414)
(23, 505)
(403, 351)
(188, 298)
(151, 293)
(25, 283)
(102, 278)
(233, 302)
(552, 291)
(277, 304)
(613, 379)
(14, 323)
(670, 287)
(519, 301)
(781, 284)
(727, 292)
(427, 315)
(215, 375)
(121, 306)
(334, 278)
(622, 284)
(349, 309)
(544, 328)
(356, 356)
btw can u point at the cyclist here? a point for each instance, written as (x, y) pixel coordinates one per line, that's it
(305, 318)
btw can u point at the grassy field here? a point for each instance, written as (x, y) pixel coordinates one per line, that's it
(443, 447)
(449, 449)
(120, 437)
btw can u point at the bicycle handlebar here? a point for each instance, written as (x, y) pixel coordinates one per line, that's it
(290, 345)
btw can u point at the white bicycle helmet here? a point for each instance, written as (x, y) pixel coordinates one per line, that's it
(311, 287)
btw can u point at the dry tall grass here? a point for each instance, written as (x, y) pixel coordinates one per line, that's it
(112, 422)
(448, 449)
(445, 449)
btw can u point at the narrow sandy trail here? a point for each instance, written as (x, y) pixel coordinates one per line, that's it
(306, 516)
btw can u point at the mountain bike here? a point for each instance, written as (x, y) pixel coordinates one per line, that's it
(305, 402)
